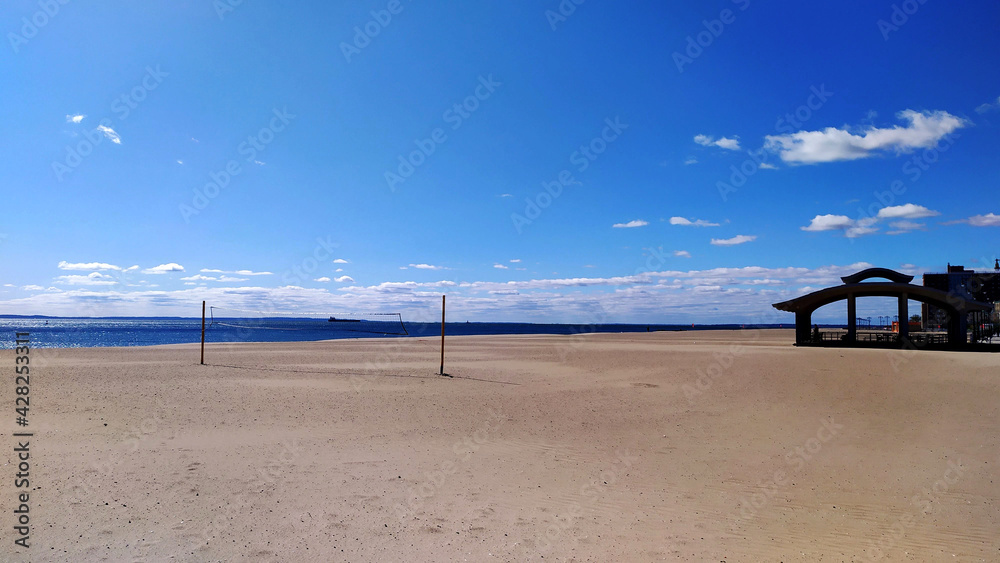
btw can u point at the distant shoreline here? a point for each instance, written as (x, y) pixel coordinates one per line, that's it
(657, 324)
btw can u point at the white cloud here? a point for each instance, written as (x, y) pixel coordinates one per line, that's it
(344, 279)
(689, 223)
(690, 161)
(164, 268)
(900, 227)
(427, 267)
(682, 253)
(505, 195)
(340, 261)
(199, 277)
(259, 163)
(515, 260)
(500, 266)
(323, 279)
(765, 281)
(95, 278)
(767, 166)
(75, 118)
(110, 134)
(906, 211)
(861, 228)
(33, 288)
(723, 142)
(988, 220)
(867, 225)
(829, 223)
(729, 144)
(339, 270)
(988, 106)
(924, 129)
(236, 272)
(63, 265)
(630, 225)
(738, 239)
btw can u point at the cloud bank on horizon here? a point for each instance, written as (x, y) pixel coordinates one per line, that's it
(718, 295)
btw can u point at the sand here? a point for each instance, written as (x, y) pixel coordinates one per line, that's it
(675, 446)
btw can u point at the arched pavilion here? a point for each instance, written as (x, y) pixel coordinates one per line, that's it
(898, 286)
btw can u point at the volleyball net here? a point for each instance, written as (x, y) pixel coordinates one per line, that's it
(242, 323)
(381, 343)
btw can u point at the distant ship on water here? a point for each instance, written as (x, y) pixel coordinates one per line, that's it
(336, 320)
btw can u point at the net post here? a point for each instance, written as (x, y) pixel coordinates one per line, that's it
(202, 333)
(442, 335)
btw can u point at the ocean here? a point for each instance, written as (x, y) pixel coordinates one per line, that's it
(143, 331)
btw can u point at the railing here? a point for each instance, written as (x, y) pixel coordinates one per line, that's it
(879, 337)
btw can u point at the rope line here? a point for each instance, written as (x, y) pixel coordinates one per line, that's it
(288, 314)
(256, 320)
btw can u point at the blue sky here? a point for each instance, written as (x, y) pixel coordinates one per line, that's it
(370, 156)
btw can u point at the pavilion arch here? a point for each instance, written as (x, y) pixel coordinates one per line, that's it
(899, 287)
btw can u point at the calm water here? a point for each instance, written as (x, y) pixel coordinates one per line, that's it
(76, 333)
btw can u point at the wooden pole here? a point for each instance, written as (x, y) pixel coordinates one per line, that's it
(202, 333)
(442, 335)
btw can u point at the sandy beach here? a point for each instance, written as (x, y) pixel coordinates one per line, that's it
(671, 446)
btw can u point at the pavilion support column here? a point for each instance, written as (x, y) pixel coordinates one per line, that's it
(852, 318)
(904, 319)
(962, 325)
(802, 319)
(953, 332)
